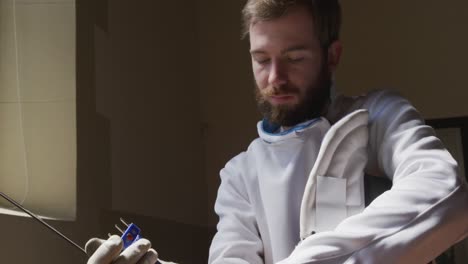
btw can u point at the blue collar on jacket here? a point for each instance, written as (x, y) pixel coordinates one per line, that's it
(273, 129)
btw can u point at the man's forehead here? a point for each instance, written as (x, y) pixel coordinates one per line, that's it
(294, 28)
(281, 40)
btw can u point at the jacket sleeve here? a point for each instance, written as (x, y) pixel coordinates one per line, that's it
(237, 240)
(425, 211)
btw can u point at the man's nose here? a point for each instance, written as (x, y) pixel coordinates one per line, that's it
(277, 75)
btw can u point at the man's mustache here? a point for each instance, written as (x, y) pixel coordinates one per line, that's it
(279, 90)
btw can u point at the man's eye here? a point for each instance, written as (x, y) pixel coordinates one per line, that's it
(262, 60)
(295, 59)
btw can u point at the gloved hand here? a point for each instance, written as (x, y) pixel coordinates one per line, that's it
(109, 251)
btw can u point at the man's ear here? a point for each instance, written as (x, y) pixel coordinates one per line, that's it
(334, 55)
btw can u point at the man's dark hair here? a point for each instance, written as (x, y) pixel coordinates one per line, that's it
(326, 14)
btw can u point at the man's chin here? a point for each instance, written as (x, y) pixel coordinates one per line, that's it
(281, 115)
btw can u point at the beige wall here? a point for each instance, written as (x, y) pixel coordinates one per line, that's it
(38, 120)
(416, 47)
(42, 81)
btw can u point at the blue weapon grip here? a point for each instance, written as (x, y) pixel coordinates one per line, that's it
(131, 234)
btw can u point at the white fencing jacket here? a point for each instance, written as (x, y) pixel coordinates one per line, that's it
(298, 196)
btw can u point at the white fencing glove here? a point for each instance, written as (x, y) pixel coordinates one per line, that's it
(110, 252)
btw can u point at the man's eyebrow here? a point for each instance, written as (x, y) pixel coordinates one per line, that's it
(257, 51)
(295, 48)
(292, 48)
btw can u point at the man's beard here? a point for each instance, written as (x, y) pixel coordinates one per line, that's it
(311, 104)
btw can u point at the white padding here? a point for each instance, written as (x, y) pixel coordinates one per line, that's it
(330, 202)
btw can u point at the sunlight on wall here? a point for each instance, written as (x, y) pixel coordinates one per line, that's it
(38, 105)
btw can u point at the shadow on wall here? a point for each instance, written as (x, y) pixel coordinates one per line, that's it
(139, 133)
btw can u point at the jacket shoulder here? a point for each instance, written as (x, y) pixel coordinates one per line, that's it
(243, 163)
(373, 101)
